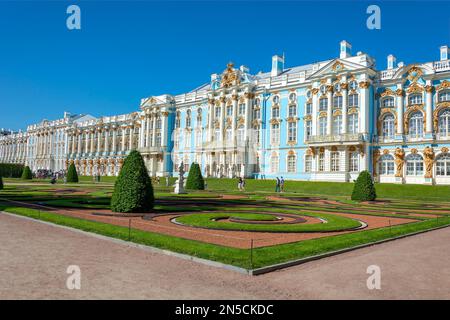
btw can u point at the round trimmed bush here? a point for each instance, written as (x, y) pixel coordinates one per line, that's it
(195, 179)
(364, 189)
(1, 183)
(26, 174)
(72, 175)
(133, 191)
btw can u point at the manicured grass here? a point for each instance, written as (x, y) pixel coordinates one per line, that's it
(208, 220)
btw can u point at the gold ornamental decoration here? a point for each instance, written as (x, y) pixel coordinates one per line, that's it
(311, 151)
(337, 66)
(439, 107)
(428, 159)
(399, 161)
(387, 92)
(229, 76)
(414, 74)
(364, 84)
(415, 88)
(400, 92)
(444, 150)
(443, 85)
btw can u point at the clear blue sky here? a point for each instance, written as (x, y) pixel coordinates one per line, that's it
(129, 50)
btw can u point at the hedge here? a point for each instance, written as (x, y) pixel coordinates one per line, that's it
(9, 170)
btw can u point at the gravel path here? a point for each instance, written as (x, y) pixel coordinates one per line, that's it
(34, 258)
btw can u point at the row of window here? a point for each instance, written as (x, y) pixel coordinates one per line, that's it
(415, 126)
(335, 163)
(415, 98)
(352, 125)
(414, 165)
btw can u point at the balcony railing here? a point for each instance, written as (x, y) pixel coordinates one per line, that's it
(347, 137)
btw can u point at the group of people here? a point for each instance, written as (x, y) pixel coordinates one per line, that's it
(279, 187)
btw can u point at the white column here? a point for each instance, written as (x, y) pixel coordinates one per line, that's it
(234, 117)
(164, 124)
(329, 109)
(99, 140)
(314, 111)
(429, 107)
(147, 134)
(141, 132)
(364, 107)
(131, 137)
(123, 138)
(79, 143)
(154, 131)
(399, 94)
(248, 114)
(92, 140)
(344, 107)
(114, 142)
(107, 132)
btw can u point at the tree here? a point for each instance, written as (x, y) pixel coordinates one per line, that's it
(364, 189)
(26, 174)
(133, 190)
(1, 183)
(72, 175)
(195, 179)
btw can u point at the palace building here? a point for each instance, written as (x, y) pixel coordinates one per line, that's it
(324, 121)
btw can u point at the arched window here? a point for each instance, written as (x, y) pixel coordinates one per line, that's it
(241, 109)
(256, 114)
(388, 126)
(414, 165)
(415, 98)
(256, 133)
(308, 163)
(323, 104)
(337, 125)
(353, 164)
(416, 124)
(275, 112)
(353, 100)
(291, 163)
(388, 102)
(217, 112)
(292, 131)
(337, 102)
(228, 134)
(444, 123)
(229, 110)
(352, 124)
(275, 133)
(257, 102)
(276, 99)
(292, 110)
(188, 119)
(292, 97)
(198, 138)
(444, 96)
(217, 135)
(443, 164)
(322, 126)
(241, 134)
(308, 129)
(335, 161)
(274, 163)
(386, 164)
(321, 161)
(158, 122)
(308, 108)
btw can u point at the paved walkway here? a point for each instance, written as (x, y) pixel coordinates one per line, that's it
(34, 258)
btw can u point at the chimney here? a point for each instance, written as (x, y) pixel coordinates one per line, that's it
(244, 69)
(277, 65)
(346, 49)
(391, 59)
(400, 64)
(444, 53)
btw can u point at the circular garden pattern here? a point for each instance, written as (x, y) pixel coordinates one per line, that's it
(270, 222)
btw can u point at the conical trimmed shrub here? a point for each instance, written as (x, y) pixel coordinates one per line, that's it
(26, 174)
(364, 189)
(195, 179)
(133, 190)
(72, 175)
(1, 183)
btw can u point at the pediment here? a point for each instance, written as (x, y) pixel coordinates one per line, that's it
(413, 72)
(336, 66)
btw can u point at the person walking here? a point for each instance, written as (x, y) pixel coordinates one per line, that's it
(282, 184)
(240, 183)
(277, 186)
(243, 185)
